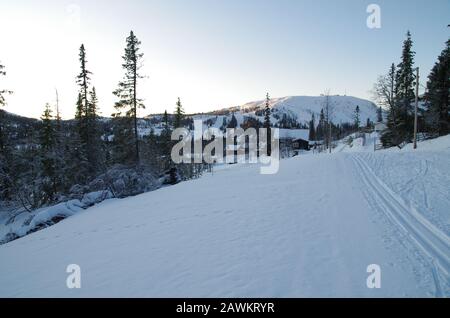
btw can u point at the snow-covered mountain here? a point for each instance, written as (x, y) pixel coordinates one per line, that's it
(296, 109)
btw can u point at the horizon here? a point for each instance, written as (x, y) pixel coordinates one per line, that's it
(207, 112)
(194, 52)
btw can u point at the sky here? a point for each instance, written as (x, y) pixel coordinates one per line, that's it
(210, 53)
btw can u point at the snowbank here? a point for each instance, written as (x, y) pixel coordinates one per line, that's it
(26, 223)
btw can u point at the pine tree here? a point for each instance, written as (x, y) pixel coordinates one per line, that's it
(438, 94)
(321, 128)
(47, 144)
(179, 115)
(312, 128)
(224, 124)
(96, 154)
(357, 120)
(233, 122)
(379, 115)
(166, 125)
(404, 91)
(127, 91)
(86, 118)
(267, 113)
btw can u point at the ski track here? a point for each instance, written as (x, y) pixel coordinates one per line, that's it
(426, 237)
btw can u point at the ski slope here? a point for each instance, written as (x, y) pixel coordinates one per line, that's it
(310, 230)
(299, 108)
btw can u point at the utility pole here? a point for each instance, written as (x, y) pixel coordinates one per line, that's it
(416, 108)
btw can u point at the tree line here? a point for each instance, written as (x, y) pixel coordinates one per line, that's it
(63, 159)
(395, 91)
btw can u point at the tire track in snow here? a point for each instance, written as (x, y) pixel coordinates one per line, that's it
(425, 236)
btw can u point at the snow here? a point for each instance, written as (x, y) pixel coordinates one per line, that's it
(301, 108)
(310, 230)
(26, 222)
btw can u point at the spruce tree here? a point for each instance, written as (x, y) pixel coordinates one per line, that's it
(86, 119)
(128, 104)
(321, 128)
(96, 159)
(47, 146)
(379, 115)
(233, 122)
(312, 128)
(357, 121)
(438, 94)
(179, 114)
(404, 91)
(267, 113)
(77, 163)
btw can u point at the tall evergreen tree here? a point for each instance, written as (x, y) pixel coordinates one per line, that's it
(379, 115)
(77, 163)
(47, 139)
(127, 90)
(267, 113)
(312, 128)
(321, 128)
(96, 159)
(357, 120)
(233, 122)
(86, 117)
(179, 115)
(438, 94)
(404, 91)
(166, 125)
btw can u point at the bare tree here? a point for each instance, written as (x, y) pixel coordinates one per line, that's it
(384, 89)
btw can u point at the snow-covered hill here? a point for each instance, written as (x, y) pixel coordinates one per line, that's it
(298, 109)
(310, 230)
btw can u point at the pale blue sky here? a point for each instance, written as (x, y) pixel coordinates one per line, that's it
(211, 53)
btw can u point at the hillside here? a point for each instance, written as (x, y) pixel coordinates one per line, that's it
(310, 230)
(297, 109)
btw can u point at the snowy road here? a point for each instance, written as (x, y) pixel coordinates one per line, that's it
(310, 230)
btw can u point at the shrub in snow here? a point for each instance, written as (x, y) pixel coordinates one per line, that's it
(123, 181)
(89, 199)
